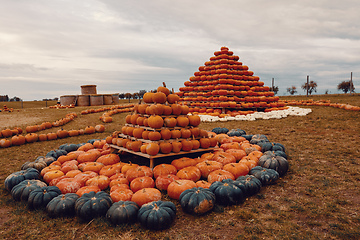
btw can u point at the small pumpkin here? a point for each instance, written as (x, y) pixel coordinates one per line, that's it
(62, 205)
(157, 215)
(40, 197)
(197, 200)
(91, 205)
(122, 212)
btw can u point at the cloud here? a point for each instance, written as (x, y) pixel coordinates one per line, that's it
(54, 47)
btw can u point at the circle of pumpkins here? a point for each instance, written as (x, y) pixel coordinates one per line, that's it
(89, 181)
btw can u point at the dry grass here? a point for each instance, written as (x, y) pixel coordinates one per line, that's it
(317, 199)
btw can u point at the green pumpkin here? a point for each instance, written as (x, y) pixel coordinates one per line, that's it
(17, 177)
(157, 215)
(91, 205)
(227, 192)
(197, 200)
(272, 161)
(265, 175)
(40, 197)
(251, 183)
(21, 191)
(62, 205)
(123, 212)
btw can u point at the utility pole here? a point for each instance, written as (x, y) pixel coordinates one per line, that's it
(307, 87)
(272, 84)
(351, 83)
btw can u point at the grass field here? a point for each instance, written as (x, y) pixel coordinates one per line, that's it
(319, 198)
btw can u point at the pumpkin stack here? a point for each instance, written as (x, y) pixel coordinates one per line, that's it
(224, 83)
(162, 125)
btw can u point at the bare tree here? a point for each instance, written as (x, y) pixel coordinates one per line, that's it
(274, 89)
(291, 90)
(311, 87)
(346, 86)
(141, 93)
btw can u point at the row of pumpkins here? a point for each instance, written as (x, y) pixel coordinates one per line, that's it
(89, 181)
(311, 102)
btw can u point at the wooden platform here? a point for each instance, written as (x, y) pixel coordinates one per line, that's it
(151, 158)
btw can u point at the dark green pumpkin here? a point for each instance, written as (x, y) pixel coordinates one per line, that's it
(197, 200)
(220, 130)
(40, 197)
(62, 205)
(269, 146)
(123, 212)
(91, 205)
(69, 147)
(56, 153)
(21, 191)
(227, 192)
(251, 183)
(278, 163)
(17, 177)
(157, 215)
(265, 175)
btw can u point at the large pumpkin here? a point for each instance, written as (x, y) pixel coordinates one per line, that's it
(157, 215)
(91, 205)
(62, 205)
(122, 212)
(197, 200)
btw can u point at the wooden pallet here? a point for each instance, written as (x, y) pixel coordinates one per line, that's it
(151, 158)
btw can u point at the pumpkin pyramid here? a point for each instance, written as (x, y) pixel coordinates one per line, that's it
(224, 84)
(161, 125)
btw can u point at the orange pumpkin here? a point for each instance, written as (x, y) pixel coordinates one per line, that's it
(69, 185)
(164, 169)
(139, 171)
(109, 159)
(176, 187)
(121, 195)
(208, 166)
(101, 181)
(190, 173)
(87, 189)
(146, 195)
(141, 182)
(219, 175)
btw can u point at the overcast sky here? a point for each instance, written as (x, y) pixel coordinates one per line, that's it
(49, 48)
